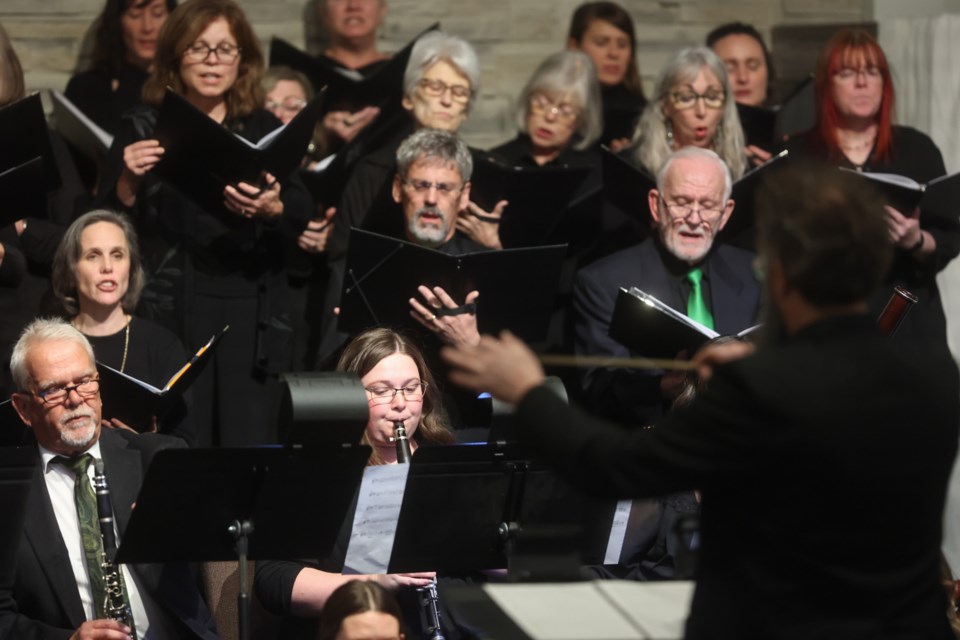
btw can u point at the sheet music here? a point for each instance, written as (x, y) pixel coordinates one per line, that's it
(375, 520)
(659, 609)
(621, 516)
(561, 611)
(673, 313)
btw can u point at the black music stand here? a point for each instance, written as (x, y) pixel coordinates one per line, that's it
(499, 510)
(259, 503)
(17, 466)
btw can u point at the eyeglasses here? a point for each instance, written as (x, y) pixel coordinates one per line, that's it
(287, 105)
(684, 100)
(56, 395)
(436, 88)
(413, 392)
(849, 74)
(224, 52)
(423, 186)
(544, 106)
(683, 211)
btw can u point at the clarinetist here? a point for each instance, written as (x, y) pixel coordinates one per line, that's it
(403, 397)
(61, 583)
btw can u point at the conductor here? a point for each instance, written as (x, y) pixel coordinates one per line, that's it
(822, 457)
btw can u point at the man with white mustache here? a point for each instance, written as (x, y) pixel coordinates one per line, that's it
(57, 590)
(690, 206)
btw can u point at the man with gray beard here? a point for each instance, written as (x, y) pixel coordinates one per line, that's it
(690, 206)
(58, 587)
(432, 186)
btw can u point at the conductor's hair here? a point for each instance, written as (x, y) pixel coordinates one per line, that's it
(828, 231)
(435, 147)
(351, 598)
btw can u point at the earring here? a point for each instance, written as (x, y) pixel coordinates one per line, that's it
(669, 127)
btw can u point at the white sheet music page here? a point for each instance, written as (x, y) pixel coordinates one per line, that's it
(659, 609)
(617, 532)
(563, 611)
(375, 520)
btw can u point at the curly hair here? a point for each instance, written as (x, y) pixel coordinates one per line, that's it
(367, 349)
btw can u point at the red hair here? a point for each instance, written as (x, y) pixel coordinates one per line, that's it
(852, 48)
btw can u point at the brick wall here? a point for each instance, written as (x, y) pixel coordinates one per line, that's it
(511, 36)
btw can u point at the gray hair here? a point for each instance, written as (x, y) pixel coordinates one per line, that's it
(696, 152)
(651, 140)
(573, 73)
(434, 47)
(42, 330)
(435, 146)
(64, 278)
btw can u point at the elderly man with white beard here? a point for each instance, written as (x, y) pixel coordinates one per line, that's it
(683, 267)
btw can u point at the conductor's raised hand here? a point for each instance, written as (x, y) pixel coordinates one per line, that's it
(101, 630)
(255, 201)
(714, 354)
(455, 324)
(483, 227)
(505, 367)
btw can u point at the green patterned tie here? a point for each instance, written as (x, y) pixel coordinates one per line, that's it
(696, 305)
(89, 525)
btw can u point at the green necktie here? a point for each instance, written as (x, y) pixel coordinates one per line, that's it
(89, 525)
(696, 304)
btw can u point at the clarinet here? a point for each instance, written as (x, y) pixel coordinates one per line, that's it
(426, 596)
(115, 606)
(402, 442)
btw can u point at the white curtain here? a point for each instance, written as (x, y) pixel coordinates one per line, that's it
(924, 54)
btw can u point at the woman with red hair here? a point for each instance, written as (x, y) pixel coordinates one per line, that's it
(855, 130)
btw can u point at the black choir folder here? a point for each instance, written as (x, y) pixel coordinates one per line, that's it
(201, 157)
(78, 129)
(135, 402)
(346, 90)
(517, 286)
(22, 192)
(653, 329)
(539, 197)
(905, 194)
(24, 136)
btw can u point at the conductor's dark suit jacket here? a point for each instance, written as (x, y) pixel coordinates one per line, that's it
(633, 396)
(43, 601)
(823, 465)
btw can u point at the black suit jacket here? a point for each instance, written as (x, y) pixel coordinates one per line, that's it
(43, 601)
(823, 464)
(633, 396)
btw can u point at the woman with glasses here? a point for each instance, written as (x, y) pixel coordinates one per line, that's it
(209, 269)
(97, 276)
(440, 82)
(693, 107)
(855, 106)
(559, 115)
(399, 387)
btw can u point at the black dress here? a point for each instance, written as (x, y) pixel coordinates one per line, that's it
(153, 355)
(916, 156)
(209, 269)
